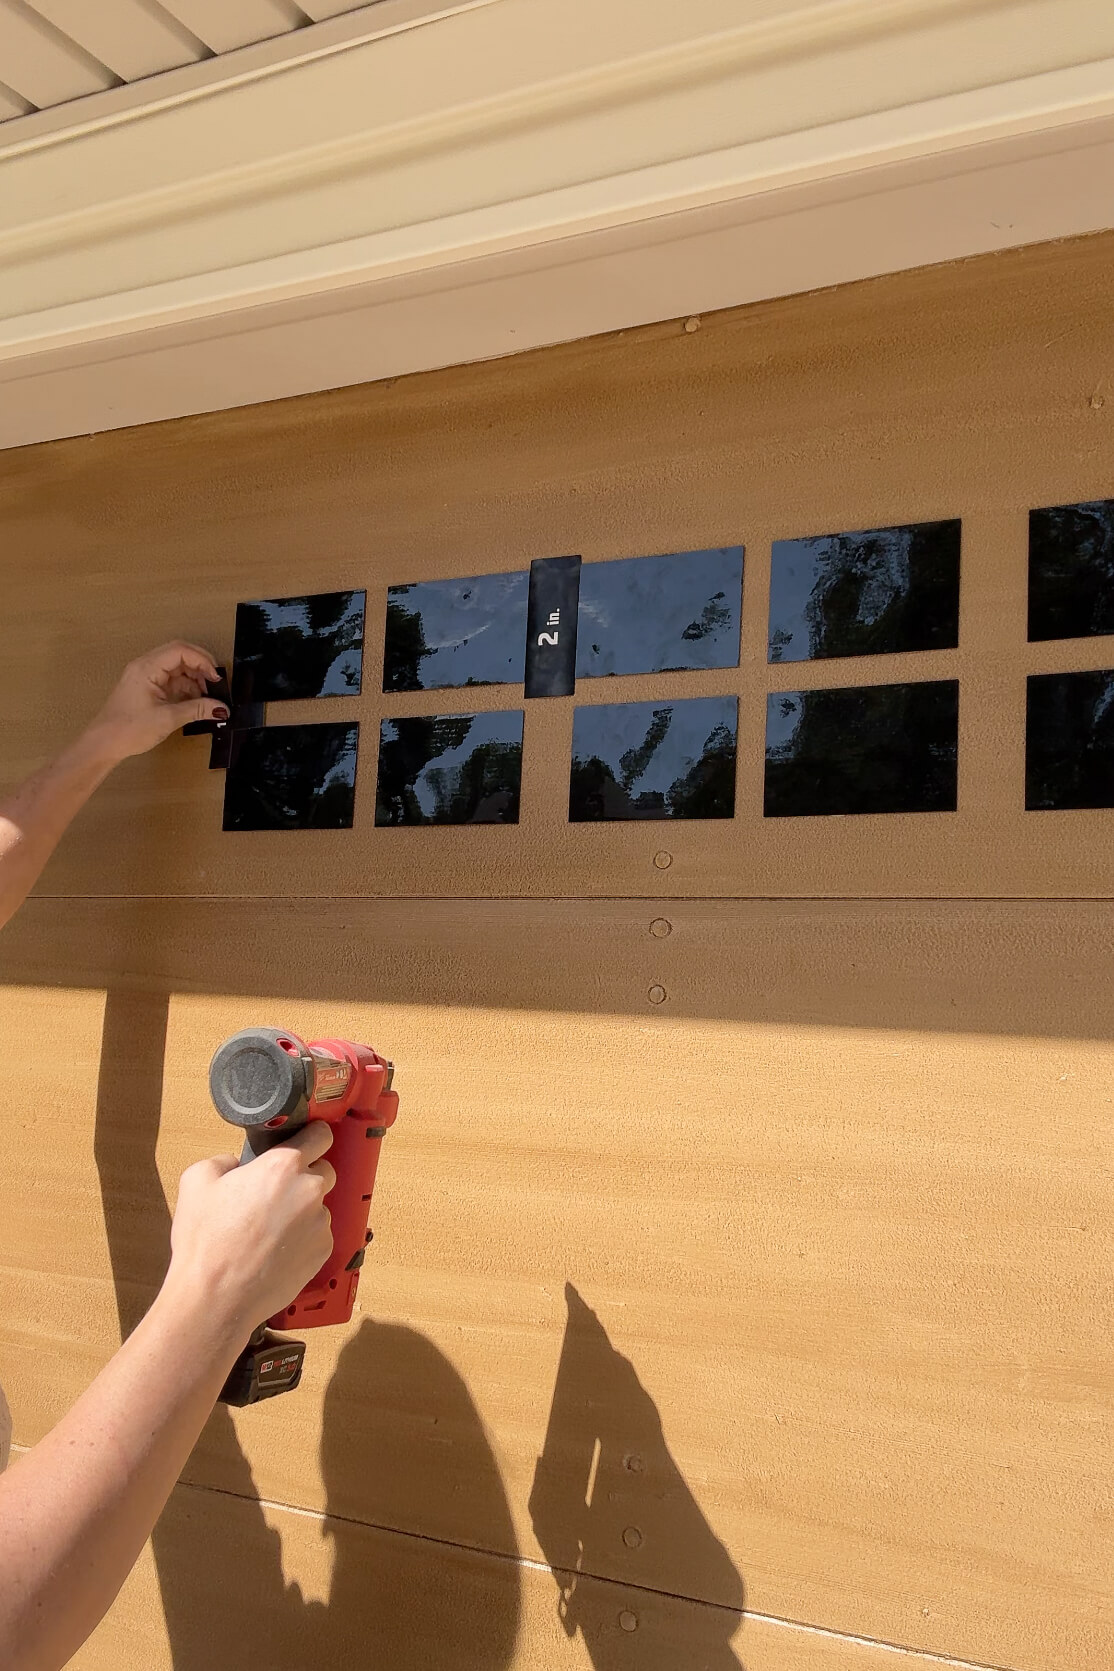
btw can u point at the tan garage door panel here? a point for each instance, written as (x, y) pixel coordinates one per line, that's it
(303, 1593)
(972, 393)
(835, 1263)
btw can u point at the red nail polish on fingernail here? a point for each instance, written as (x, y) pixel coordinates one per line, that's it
(221, 713)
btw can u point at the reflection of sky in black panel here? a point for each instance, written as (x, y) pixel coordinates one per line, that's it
(876, 592)
(1071, 571)
(450, 769)
(873, 748)
(1069, 741)
(660, 614)
(446, 633)
(292, 777)
(295, 648)
(654, 760)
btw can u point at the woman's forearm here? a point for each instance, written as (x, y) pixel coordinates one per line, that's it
(155, 695)
(34, 818)
(76, 1511)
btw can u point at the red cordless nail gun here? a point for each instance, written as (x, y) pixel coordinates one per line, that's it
(270, 1083)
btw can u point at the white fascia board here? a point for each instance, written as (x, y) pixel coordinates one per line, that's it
(689, 264)
(843, 155)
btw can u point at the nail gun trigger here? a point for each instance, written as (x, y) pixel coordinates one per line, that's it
(358, 1257)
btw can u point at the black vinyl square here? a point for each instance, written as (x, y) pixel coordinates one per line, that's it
(1071, 571)
(292, 777)
(660, 614)
(654, 760)
(289, 649)
(876, 592)
(450, 769)
(443, 634)
(1069, 741)
(871, 748)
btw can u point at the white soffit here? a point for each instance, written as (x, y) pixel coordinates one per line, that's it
(465, 181)
(55, 51)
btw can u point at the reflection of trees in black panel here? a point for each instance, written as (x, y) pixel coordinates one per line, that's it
(1069, 741)
(481, 787)
(715, 617)
(607, 789)
(404, 646)
(596, 796)
(660, 614)
(1071, 571)
(876, 592)
(634, 761)
(448, 634)
(707, 789)
(292, 777)
(875, 748)
(297, 648)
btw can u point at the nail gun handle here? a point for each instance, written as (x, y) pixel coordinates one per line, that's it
(330, 1295)
(258, 1139)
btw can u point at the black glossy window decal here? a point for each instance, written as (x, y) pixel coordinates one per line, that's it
(1069, 741)
(872, 748)
(654, 760)
(877, 592)
(295, 648)
(1071, 571)
(660, 614)
(292, 777)
(442, 634)
(450, 769)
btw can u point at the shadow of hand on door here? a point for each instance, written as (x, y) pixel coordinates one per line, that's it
(404, 1465)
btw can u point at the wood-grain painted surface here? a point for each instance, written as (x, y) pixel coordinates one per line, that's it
(348, 1595)
(974, 392)
(819, 1240)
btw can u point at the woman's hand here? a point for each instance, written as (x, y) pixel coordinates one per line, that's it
(246, 1239)
(156, 694)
